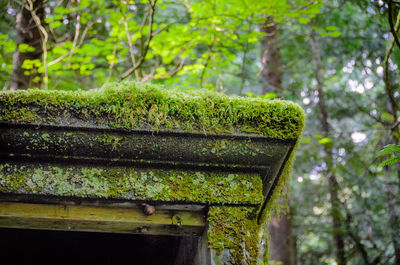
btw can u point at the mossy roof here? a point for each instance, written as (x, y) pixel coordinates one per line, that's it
(130, 105)
(134, 106)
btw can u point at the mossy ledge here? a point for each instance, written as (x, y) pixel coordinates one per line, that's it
(131, 184)
(130, 105)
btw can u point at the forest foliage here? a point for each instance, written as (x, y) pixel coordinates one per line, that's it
(339, 60)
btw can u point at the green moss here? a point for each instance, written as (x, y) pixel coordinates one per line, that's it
(46, 137)
(132, 184)
(146, 107)
(16, 180)
(20, 114)
(143, 106)
(233, 232)
(112, 141)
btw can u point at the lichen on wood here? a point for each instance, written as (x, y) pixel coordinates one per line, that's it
(131, 183)
(234, 233)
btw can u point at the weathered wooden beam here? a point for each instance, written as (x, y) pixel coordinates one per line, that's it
(100, 219)
(257, 154)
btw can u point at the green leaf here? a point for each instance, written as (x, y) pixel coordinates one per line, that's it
(250, 94)
(331, 28)
(389, 149)
(111, 59)
(335, 34)
(390, 161)
(393, 151)
(36, 79)
(30, 64)
(23, 47)
(325, 140)
(387, 117)
(304, 20)
(318, 136)
(56, 24)
(269, 96)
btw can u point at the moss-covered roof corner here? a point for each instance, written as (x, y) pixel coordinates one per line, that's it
(138, 106)
(131, 105)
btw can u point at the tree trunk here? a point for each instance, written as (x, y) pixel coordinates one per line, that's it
(392, 108)
(333, 183)
(282, 246)
(391, 190)
(394, 223)
(271, 72)
(27, 33)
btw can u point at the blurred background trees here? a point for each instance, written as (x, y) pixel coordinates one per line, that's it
(338, 59)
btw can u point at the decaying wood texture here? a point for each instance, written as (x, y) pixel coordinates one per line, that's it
(100, 219)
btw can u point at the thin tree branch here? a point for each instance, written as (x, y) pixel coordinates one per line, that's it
(77, 46)
(392, 26)
(147, 45)
(394, 126)
(84, 33)
(167, 26)
(146, 16)
(45, 37)
(355, 237)
(112, 63)
(130, 45)
(173, 72)
(77, 29)
(367, 112)
(245, 50)
(205, 65)
(388, 88)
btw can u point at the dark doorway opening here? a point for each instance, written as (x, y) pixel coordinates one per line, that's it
(24, 246)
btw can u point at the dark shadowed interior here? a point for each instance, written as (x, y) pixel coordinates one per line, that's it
(23, 246)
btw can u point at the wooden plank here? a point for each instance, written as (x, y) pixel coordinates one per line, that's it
(100, 219)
